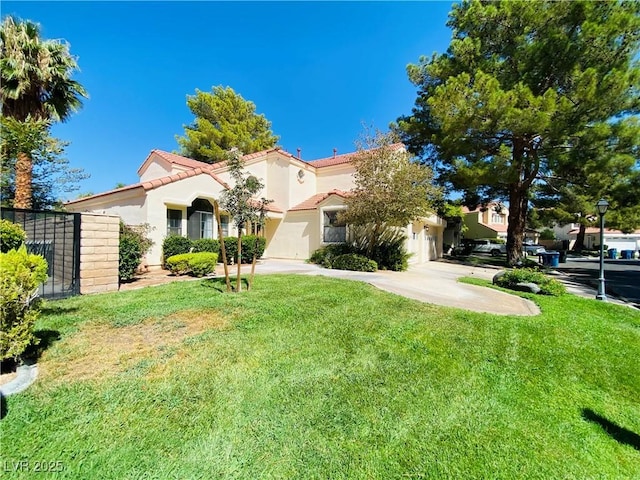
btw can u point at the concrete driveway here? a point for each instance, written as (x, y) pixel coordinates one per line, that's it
(432, 282)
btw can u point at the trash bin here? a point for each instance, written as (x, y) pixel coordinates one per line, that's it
(550, 259)
(626, 254)
(563, 256)
(613, 253)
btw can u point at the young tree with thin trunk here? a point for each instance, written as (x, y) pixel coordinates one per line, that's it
(35, 86)
(240, 201)
(521, 83)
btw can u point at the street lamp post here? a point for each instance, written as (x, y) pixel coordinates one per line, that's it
(602, 206)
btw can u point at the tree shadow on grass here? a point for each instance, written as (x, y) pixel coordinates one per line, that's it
(50, 308)
(618, 433)
(45, 338)
(220, 284)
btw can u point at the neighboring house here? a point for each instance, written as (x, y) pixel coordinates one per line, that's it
(612, 239)
(174, 195)
(491, 221)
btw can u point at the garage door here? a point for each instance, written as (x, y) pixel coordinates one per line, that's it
(432, 249)
(621, 243)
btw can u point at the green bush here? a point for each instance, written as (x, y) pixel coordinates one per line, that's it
(251, 244)
(175, 245)
(20, 275)
(231, 249)
(205, 245)
(353, 261)
(548, 285)
(11, 236)
(134, 244)
(388, 250)
(197, 264)
(324, 255)
(178, 264)
(202, 263)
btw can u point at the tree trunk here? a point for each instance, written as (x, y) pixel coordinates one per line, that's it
(223, 250)
(24, 167)
(253, 270)
(518, 204)
(579, 245)
(239, 260)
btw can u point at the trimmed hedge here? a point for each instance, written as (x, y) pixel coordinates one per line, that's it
(205, 245)
(197, 264)
(174, 245)
(355, 262)
(11, 236)
(251, 244)
(548, 285)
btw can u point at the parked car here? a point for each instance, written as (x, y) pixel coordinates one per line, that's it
(534, 249)
(483, 245)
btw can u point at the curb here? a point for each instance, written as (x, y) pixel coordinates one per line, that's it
(26, 375)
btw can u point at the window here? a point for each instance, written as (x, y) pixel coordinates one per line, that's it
(256, 228)
(200, 225)
(333, 230)
(497, 218)
(224, 223)
(174, 222)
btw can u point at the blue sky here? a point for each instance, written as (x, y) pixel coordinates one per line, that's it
(316, 70)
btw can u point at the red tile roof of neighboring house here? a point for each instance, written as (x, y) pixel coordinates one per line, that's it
(109, 192)
(344, 158)
(312, 202)
(591, 230)
(271, 207)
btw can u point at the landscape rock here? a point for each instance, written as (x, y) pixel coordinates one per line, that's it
(527, 287)
(498, 275)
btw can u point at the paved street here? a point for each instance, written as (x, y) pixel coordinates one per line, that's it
(622, 276)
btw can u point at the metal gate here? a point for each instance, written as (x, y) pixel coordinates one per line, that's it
(55, 236)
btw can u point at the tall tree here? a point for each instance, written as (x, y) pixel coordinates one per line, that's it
(521, 83)
(224, 120)
(36, 86)
(51, 174)
(391, 190)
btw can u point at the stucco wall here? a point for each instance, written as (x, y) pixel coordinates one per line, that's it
(155, 170)
(295, 236)
(339, 177)
(99, 253)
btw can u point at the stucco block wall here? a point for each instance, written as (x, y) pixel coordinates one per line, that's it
(99, 253)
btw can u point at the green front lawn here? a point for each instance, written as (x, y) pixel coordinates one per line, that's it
(312, 377)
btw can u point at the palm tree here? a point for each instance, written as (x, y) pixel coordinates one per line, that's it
(36, 86)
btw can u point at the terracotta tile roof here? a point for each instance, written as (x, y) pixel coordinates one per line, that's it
(344, 158)
(180, 160)
(607, 231)
(109, 192)
(158, 182)
(312, 202)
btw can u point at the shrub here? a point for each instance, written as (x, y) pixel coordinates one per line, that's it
(178, 264)
(205, 245)
(197, 264)
(134, 244)
(353, 261)
(547, 234)
(389, 248)
(175, 245)
(11, 236)
(231, 249)
(202, 263)
(20, 275)
(251, 244)
(548, 285)
(324, 255)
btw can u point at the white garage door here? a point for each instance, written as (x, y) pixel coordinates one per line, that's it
(621, 243)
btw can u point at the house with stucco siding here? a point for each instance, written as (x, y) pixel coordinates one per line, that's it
(174, 196)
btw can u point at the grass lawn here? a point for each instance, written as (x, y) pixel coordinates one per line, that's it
(313, 377)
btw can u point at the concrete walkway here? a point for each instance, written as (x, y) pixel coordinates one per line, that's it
(432, 282)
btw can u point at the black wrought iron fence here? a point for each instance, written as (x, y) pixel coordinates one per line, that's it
(55, 236)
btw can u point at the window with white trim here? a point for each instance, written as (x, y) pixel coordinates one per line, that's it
(174, 222)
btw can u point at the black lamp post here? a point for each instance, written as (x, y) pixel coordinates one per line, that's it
(602, 206)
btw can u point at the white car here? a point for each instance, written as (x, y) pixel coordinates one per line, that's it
(534, 249)
(485, 245)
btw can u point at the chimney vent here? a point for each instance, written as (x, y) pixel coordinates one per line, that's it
(299, 150)
(335, 151)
